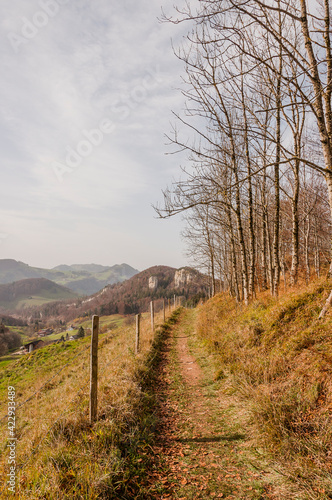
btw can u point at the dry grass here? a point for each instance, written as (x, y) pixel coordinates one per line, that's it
(277, 356)
(59, 455)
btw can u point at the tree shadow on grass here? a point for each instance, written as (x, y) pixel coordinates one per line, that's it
(212, 439)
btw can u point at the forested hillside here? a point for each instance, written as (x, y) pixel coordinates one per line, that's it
(131, 296)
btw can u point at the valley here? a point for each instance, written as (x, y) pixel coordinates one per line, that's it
(222, 401)
(29, 306)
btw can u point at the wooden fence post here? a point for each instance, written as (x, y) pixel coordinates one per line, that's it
(94, 369)
(152, 314)
(169, 305)
(164, 311)
(138, 331)
(174, 301)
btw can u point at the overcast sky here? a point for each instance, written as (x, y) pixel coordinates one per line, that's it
(87, 92)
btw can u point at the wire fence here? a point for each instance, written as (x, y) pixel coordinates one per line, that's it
(44, 436)
(79, 354)
(105, 365)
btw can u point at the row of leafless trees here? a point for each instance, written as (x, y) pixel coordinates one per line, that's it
(257, 193)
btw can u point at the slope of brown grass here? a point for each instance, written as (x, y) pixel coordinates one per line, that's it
(278, 356)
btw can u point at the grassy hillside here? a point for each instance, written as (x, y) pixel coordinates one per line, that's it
(32, 292)
(60, 455)
(106, 323)
(277, 356)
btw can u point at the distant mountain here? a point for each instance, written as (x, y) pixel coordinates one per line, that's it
(83, 279)
(133, 295)
(32, 292)
(12, 270)
(87, 279)
(89, 268)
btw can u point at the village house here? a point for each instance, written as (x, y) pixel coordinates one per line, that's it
(74, 337)
(44, 332)
(33, 345)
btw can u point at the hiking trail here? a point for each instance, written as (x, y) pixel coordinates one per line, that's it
(204, 446)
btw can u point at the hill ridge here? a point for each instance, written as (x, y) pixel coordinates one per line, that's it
(22, 293)
(83, 279)
(133, 295)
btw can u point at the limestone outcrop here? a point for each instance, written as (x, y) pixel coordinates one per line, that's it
(153, 282)
(182, 277)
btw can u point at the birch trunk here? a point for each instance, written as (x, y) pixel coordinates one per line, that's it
(295, 228)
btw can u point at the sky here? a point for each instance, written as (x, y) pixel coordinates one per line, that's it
(87, 92)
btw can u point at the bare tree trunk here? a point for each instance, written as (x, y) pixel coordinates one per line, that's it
(264, 251)
(306, 233)
(283, 269)
(282, 259)
(244, 270)
(328, 178)
(295, 228)
(323, 115)
(233, 258)
(269, 253)
(213, 276)
(276, 261)
(326, 307)
(251, 284)
(265, 258)
(317, 253)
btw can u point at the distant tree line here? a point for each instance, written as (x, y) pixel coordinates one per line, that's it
(10, 321)
(8, 340)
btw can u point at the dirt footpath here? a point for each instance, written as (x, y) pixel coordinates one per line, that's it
(204, 447)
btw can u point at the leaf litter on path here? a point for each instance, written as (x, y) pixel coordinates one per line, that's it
(202, 449)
